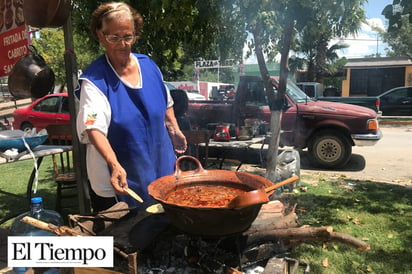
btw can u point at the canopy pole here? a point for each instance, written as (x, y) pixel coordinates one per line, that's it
(79, 150)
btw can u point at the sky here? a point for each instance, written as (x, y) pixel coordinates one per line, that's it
(367, 41)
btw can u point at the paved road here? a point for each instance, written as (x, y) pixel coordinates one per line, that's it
(390, 160)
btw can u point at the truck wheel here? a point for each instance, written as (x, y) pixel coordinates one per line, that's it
(330, 149)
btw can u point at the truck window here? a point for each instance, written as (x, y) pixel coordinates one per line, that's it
(255, 94)
(309, 90)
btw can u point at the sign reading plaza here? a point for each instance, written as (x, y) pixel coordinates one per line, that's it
(215, 63)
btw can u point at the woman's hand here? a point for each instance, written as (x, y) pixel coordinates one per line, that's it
(179, 142)
(176, 135)
(118, 179)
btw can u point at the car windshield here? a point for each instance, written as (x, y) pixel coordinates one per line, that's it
(296, 94)
(256, 95)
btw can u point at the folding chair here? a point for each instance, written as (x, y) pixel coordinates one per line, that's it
(63, 167)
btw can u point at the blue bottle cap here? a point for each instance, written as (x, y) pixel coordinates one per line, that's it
(36, 200)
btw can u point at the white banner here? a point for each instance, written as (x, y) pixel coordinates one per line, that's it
(60, 251)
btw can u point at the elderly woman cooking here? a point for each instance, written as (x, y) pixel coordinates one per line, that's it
(125, 114)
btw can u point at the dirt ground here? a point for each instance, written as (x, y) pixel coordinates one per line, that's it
(389, 161)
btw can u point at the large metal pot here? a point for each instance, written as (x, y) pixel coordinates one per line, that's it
(30, 77)
(207, 221)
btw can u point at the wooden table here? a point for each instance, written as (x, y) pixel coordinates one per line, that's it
(224, 147)
(237, 143)
(39, 153)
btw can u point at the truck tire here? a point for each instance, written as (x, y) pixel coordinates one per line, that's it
(330, 149)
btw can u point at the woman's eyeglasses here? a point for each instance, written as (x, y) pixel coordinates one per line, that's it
(114, 39)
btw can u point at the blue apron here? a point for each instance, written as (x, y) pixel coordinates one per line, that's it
(137, 131)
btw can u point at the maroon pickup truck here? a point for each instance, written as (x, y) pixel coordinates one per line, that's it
(327, 129)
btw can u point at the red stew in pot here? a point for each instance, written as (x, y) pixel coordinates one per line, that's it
(204, 195)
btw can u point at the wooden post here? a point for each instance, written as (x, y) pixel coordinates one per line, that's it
(79, 150)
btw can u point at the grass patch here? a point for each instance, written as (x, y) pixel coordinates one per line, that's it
(377, 213)
(14, 178)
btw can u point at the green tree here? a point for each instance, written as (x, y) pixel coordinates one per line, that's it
(399, 32)
(275, 24)
(327, 21)
(50, 45)
(307, 62)
(177, 32)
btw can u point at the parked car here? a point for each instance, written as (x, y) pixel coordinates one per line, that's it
(191, 93)
(396, 102)
(194, 95)
(50, 109)
(169, 86)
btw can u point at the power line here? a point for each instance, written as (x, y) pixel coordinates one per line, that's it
(362, 39)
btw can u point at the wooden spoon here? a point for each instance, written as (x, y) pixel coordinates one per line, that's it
(258, 196)
(134, 195)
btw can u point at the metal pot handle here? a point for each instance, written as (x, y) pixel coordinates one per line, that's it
(178, 171)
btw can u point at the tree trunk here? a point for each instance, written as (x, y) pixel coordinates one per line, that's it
(276, 101)
(320, 62)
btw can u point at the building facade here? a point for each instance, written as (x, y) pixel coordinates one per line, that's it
(372, 76)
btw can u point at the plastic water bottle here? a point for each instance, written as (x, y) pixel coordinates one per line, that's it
(23, 270)
(20, 228)
(20, 270)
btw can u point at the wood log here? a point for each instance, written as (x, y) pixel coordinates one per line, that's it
(299, 235)
(58, 230)
(282, 222)
(272, 216)
(350, 240)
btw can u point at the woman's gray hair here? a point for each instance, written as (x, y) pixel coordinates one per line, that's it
(111, 10)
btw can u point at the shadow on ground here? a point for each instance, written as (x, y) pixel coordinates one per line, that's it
(257, 157)
(382, 208)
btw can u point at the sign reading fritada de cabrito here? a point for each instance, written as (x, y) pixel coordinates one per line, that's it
(13, 35)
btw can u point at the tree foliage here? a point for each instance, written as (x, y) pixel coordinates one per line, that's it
(324, 21)
(50, 45)
(399, 32)
(177, 32)
(275, 26)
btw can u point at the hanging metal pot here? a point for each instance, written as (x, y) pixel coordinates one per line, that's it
(46, 13)
(31, 77)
